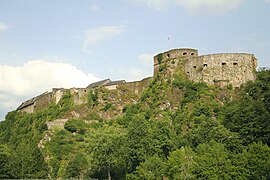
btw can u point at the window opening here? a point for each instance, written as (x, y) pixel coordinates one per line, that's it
(223, 64)
(192, 54)
(194, 67)
(184, 53)
(235, 64)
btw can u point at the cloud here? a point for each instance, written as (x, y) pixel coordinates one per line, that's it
(195, 6)
(94, 7)
(3, 27)
(95, 36)
(133, 74)
(36, 77)
(146, 59)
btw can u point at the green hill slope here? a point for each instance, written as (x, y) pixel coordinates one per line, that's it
(176, 129)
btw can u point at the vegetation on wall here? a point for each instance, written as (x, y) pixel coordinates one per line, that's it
(159, 58)
(178, 129)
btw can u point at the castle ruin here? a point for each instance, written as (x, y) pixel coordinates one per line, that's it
(222, 70)
(214, 69)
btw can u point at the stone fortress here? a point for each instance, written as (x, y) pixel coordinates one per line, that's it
(225, 69)
(214, 69)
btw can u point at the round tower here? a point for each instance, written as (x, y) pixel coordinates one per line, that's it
(170, 60)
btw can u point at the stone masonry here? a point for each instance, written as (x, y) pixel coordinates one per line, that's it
(214, 69)
(222, 70)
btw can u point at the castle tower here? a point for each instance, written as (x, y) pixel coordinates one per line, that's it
(222, 69)
(172, 59)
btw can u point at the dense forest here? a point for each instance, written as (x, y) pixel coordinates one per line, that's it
(214, 133)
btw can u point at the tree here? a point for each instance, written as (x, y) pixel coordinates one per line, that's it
(212, 161)
(106, 148)
(250, 119)
(152, 169)
(5, 158)
(180, 164)
(76, 166)
(257, 161)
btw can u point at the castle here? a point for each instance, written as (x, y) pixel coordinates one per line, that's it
(223, 69)
(214, 69)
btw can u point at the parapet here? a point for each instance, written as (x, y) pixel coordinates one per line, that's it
(175, 53)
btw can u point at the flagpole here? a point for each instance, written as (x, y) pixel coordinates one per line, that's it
(169, 43)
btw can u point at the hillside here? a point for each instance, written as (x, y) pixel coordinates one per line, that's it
(174, 129)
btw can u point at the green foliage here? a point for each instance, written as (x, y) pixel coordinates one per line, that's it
(179, 164)
(93, 98)
(66, 103)
(257, 161)
(76, 125)
(5, 159)
(107, 106)
(153, 168)
(106, 149)
(76, 166)
(162, 67)
(159, 58)
(212, 162)
(250, 115)
(178, 129)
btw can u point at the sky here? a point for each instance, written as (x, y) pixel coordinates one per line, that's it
(66, 43)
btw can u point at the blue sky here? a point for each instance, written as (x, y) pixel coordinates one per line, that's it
(67, 43)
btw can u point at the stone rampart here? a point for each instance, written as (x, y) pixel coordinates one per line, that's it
(222, 69)
(214, 69)
(173, 59)
(137, 86)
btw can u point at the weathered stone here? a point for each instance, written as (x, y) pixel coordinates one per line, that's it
(224, 69)
(214, 69)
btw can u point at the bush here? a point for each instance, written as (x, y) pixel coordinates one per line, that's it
(75, 125)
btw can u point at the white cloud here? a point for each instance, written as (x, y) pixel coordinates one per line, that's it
(3, 27)
(94, 7)
(134, 73)
(146, 59)
(95, 36)
(195, 6)
(36, 77)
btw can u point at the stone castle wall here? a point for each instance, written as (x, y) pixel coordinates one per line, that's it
(213, 69)
(222, 69)
(137, 86)
(43, 101)
(172, 59)
(219, 69)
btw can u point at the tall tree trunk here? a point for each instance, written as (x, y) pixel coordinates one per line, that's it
(109, 174)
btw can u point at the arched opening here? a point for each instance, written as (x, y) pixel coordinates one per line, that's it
(168, 55)
(192, 54)
(235, 63)
(194, 67)
(223, 64)
(184, 53)
(204, 65)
